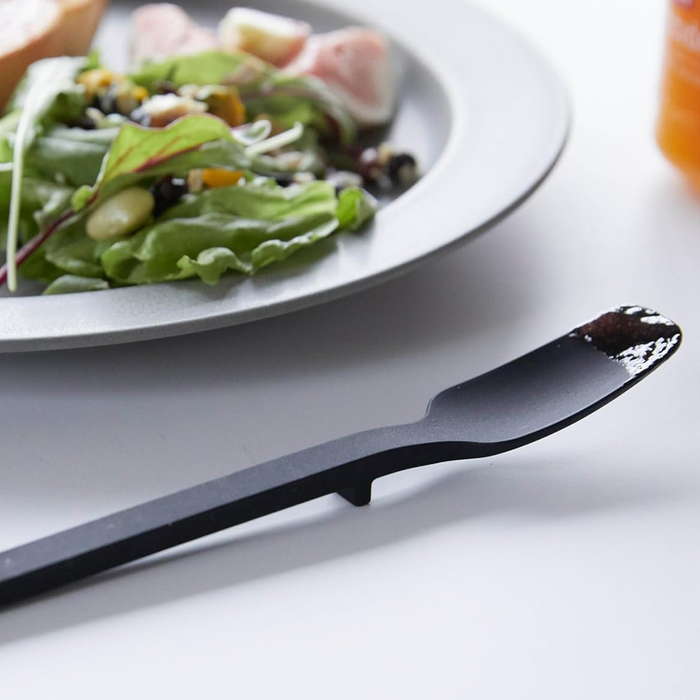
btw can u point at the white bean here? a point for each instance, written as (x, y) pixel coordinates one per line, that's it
(121, 214)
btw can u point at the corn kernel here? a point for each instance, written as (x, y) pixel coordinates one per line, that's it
(218, 177)
(93, 80)
(139, 93)
(228, 107)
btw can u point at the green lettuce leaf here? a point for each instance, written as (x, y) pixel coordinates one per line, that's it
(79, 255)
(139, 148)
(265, 201)
(211, 263)
(69, 250)
(355, 208)
(37, 268)
(45, 199)
(48, 91)
(76, 154)
(70, 284)
(8, 124)
(289, 99)
(139, 152)
(264, 89)
(171, 249)
(277, 250)
(64, 104)
(208, 68)
(41, 201)
(239, 228)
(243, 228)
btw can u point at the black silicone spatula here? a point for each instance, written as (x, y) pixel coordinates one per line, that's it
(518, 403)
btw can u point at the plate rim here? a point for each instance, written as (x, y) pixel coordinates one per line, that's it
(96, 334)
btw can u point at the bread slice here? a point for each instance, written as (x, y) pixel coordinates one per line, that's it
(30, 30)
(34, 29)
(79, 23)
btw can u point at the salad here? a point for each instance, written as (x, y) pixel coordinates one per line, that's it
(216, 153)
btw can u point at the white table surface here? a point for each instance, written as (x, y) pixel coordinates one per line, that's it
(568, 569)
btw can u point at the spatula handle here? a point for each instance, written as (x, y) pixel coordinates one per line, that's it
(346, 466)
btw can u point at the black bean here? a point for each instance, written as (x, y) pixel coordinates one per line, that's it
(84, 122)
(107, 102)
(402, 169)
(167, 191)
(283, 179)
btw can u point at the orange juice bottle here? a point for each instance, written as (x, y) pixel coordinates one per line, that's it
(678, 128)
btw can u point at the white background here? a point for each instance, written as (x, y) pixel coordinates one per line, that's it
(568, 569)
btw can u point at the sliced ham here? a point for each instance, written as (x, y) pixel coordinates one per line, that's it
(273, 38)
(356, 64)
(161, 29)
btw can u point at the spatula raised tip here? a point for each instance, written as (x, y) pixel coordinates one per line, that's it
(637, 337)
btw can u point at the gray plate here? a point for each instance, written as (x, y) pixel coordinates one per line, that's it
(483, 111)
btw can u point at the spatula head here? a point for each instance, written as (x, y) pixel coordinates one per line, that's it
(558, 383)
